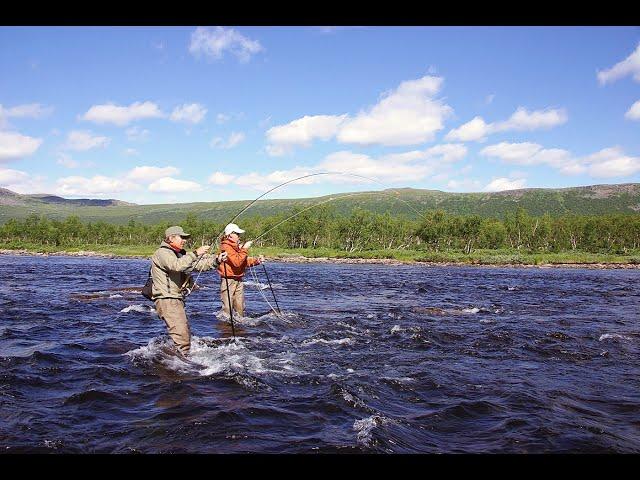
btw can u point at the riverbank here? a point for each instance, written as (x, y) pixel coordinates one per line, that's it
(479, 259)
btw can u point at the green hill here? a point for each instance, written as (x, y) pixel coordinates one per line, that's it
(588, 200)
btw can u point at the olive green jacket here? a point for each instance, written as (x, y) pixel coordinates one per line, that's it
(171, 270)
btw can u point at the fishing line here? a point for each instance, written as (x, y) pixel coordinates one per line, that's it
(255, 279)
(280, 223)
(383, 185)
(331, 173)
(277, 186)
(250, 204)
(309, 208)
(246, 207)
(272, 292)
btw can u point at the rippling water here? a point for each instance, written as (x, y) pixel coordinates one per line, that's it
(363, 358)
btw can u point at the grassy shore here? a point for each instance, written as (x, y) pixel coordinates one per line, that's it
(476, 257)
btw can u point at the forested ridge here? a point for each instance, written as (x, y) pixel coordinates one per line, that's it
(362, 230)
(401, 202)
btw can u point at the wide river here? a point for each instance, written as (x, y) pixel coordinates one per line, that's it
(362, 358)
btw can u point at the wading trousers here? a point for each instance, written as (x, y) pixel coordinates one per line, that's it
(236, 290)
(171, 310)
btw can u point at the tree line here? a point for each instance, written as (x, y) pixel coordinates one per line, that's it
(362, 230)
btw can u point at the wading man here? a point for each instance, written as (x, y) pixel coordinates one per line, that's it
(232, 271)
(171, 266)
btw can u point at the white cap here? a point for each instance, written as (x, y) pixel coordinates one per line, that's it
(232, 227)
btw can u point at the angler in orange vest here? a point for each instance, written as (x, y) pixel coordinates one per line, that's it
(232, 270)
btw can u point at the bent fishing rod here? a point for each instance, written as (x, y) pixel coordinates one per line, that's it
(246, 207)
(279, 312)
(250, 204)
(189, 290)
(309, 208)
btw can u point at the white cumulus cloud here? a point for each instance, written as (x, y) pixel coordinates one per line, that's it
(500, 184)
(98, 185)
(350, 167)
(235, 138)
(611, 162)
(407, 116)
(634, 112)
(147, 174)
(10, 177)
(66, 161)
(477, 129)
(14, 146)
(301, 132)
(447, 152)
(22, 182)
(214, 42)
(173, 185)
(219, 178)
(519, 153)
(607, 163)
(188, 113)
(474, 130)
(436, 155)
(81, 141)
(137, 134)
(122, 116)
(263, 182)
(628, 66)
(522, 119)
(381, 170)
(31, 110)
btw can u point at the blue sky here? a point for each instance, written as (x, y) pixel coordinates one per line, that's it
(184, 114)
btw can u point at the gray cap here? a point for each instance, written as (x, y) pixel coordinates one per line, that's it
(175, 231)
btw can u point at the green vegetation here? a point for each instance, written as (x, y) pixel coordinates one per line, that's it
(403, 202)
(517, 238)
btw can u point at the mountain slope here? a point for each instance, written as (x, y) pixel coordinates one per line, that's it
(588, 200)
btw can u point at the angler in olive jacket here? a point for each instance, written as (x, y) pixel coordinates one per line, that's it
(171, 268)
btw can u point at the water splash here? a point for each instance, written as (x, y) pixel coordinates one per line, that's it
(138, 308)
(341, 341)
(470, 310)
(614, 336)
(365, 427)
(257, 285)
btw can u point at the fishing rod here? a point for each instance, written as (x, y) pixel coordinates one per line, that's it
(257, 282)
(293, 216)
(309, 208)
(250, 204)
(274, 188)
(383, 185)
(246, 207)
(272, 292)
(284, 221)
